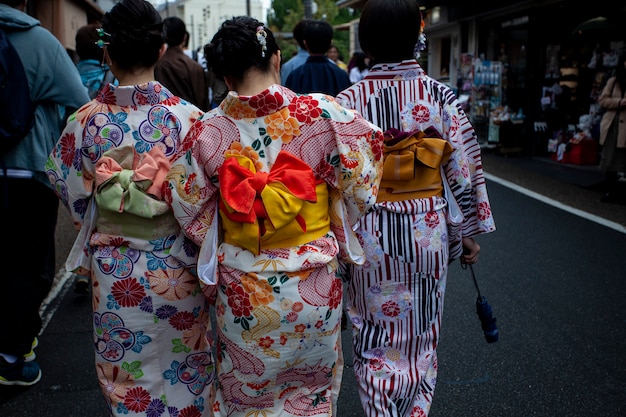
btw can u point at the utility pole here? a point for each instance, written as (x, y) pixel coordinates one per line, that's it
(308, 9)
(248, 7)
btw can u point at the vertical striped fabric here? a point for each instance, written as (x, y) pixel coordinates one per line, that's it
(395, 300)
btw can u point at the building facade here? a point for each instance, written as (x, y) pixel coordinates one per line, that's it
(528, 72)
(203, 17)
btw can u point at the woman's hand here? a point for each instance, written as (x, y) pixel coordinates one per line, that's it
(470, 250)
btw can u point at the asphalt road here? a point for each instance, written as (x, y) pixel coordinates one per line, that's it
(553, 272)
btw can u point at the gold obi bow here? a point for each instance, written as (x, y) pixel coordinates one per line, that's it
(411, 167)
(282, 208)
(130, 182)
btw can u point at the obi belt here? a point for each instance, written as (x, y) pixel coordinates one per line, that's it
(129, 194)
(283, 208)
(412, 166)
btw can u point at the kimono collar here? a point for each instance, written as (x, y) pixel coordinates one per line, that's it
(147, 94)
(269, 101)
(406, 69)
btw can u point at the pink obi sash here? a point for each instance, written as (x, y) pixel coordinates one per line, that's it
(128, 194)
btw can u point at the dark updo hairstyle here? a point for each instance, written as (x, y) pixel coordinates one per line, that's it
(134, 34)
(235, 48)
(86, 38)
(390, 29)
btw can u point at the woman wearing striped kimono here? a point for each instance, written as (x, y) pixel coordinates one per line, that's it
(395, 300)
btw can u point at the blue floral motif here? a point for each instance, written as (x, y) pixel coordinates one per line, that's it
(113, 339)
(102, 132)
(166, 311)
(196, 372)
(161, 127)
(121, 408)
(141, 339)
(118, 261)
(156, 408)
(373, 251)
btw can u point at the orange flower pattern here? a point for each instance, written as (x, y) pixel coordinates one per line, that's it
(278, 312)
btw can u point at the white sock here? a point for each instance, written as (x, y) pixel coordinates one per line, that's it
(9, 358)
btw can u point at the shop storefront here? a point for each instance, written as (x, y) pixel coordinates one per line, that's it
(533, 71)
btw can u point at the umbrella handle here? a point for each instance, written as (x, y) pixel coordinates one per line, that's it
(464, 266)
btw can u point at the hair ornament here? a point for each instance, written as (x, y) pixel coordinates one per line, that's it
(261, 37)
(102, 34)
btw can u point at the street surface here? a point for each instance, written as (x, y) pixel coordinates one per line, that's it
(556, 282)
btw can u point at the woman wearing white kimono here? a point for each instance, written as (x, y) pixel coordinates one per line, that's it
(150, 316)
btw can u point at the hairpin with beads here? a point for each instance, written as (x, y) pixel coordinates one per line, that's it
(102, 34)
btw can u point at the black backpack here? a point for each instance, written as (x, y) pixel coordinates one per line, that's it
(17, 111)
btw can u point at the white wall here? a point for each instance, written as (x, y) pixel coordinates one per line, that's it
(203, 17)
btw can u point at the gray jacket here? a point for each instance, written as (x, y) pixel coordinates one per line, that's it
(55, 87)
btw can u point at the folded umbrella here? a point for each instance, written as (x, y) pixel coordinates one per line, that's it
(485, 312)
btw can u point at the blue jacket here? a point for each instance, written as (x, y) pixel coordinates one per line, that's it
(55, 87)
(293, 63)
(94, 74)
(318, 75)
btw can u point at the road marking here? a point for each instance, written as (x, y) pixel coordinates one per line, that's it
(62, 281)
(580, 213)
(60, 287)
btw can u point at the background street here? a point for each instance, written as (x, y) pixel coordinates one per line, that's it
(556, 282)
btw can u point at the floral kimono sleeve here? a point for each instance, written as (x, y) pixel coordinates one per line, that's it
(358, 174)
(71, 173)
(193, 198)
(72, 176)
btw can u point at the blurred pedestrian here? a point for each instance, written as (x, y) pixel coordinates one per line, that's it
(217, 86)
(334, 55)
(183, 76)
(94, 72)
(150, 316)
(613, 133)
(301, 55)
(432, 202)
(28, 206)
(360, 66)
(318, 74)
(271, 186)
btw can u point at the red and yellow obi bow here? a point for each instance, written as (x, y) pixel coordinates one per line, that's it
(411, 167)
(255, 205)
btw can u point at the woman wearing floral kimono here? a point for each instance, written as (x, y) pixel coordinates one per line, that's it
(150, 317)
(271, 186)
(395, 300)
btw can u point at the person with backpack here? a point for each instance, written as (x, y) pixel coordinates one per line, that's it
(28, 205)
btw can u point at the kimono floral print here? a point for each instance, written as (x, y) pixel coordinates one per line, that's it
(263, 169)
(150, 317)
